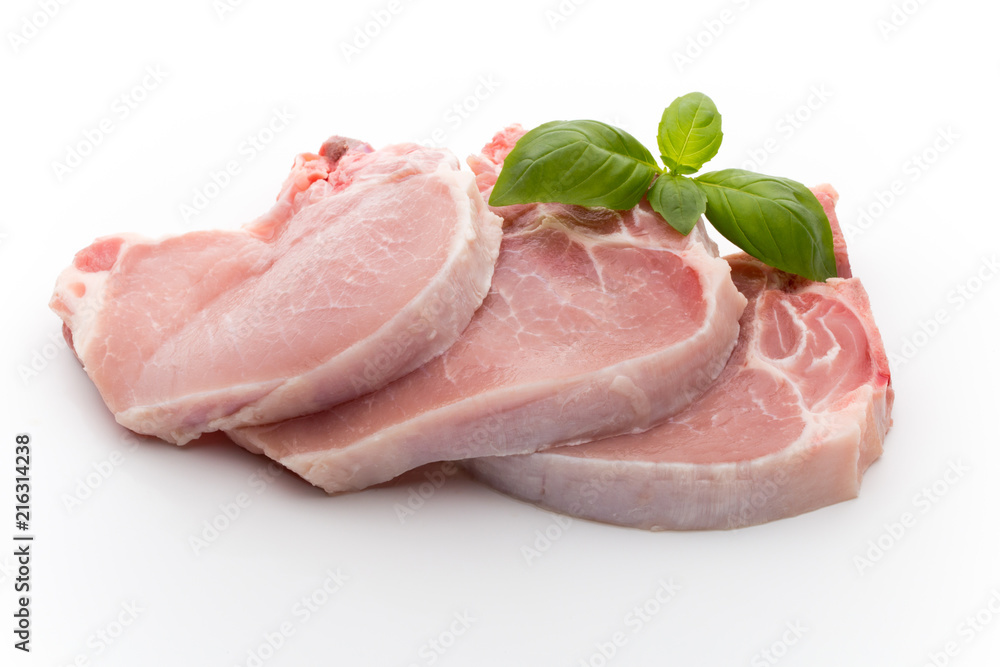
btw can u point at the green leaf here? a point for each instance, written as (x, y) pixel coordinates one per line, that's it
(679, 200)
(690, 133)
(777, 220)
(582, 162)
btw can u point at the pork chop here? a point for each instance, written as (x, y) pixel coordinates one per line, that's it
(370, 264)
(598, 322)
(799, 413)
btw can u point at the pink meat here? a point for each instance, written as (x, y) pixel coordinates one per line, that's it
(799, 413)
(370, 264)
(597, 323)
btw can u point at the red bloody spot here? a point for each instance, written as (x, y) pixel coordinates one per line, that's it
(78, 289)
(98, 256)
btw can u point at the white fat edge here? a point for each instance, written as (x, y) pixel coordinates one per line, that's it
(462, 186)
(637, 398)
(704, 237)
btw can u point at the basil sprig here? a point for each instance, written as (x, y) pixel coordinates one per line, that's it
(690, 133)
(589, 163)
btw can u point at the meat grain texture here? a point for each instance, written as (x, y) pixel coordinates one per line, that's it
(597, 323)
(797, 416)
(369, 264)
(615, 371)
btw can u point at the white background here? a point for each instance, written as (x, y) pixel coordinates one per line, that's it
(879, 97)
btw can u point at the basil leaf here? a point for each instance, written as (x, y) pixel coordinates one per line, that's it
(690, 133)
(582, 162)
(679, 200)
(777, 220)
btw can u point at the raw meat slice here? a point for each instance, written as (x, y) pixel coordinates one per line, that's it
(369, 264)
(799, 413)
(598, 322)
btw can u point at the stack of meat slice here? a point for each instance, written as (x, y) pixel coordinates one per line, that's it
(615, 370)
(792, 423)
(598, 323)
(370, 264)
